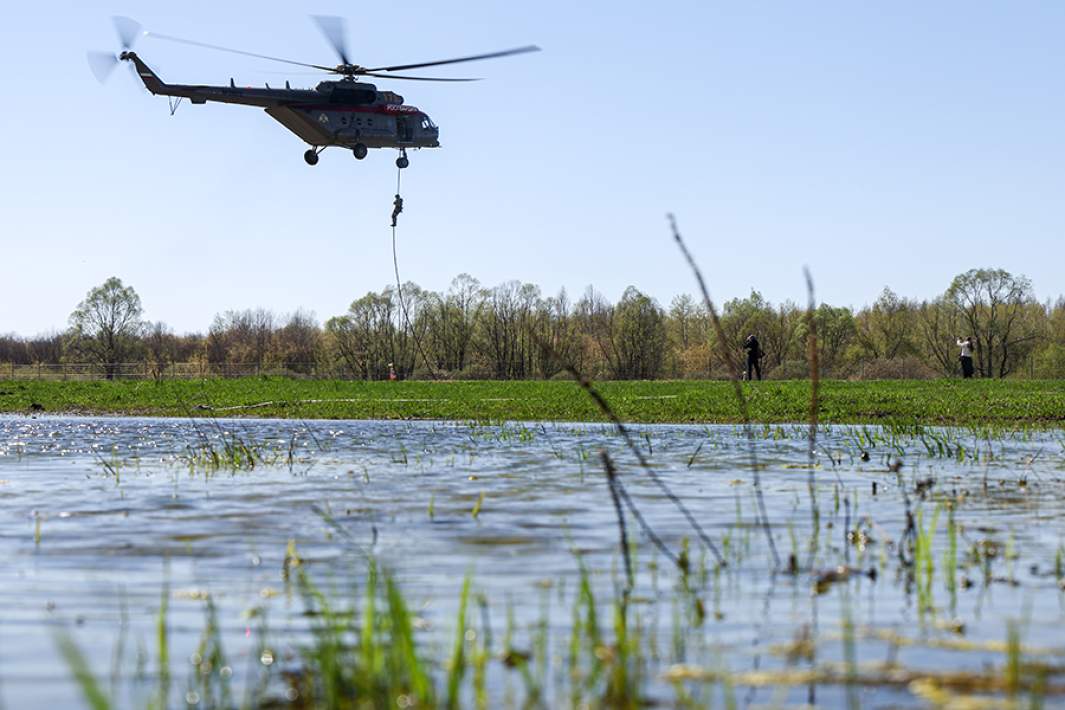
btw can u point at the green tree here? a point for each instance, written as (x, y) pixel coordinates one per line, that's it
(1049, 358)
(367, 338)
(105, 326)
(887, 329)
(835, 334)
(777, 330)
(835, 331)
(993, 303)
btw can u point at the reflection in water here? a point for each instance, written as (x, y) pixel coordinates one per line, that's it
(101, 517)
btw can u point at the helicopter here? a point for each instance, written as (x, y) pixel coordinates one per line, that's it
(344, 113)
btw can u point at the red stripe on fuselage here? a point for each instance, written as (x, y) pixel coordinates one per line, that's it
(387, 110)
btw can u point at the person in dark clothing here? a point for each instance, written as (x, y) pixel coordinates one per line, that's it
(397, 207)
(966, 356)
(754, 356)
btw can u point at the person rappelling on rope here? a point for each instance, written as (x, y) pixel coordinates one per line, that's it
(397, 207)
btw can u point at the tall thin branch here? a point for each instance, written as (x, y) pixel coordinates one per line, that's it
(815, 381)
(741, 400)
(615, 485)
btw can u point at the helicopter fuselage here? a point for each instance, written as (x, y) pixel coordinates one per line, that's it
(345, 113)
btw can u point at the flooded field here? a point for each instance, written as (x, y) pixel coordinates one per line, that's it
(218, 563)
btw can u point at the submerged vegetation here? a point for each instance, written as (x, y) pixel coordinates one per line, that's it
(367, 651)
(947, 402)
(625, 647)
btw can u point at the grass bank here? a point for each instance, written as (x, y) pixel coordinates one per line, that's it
(935, 402)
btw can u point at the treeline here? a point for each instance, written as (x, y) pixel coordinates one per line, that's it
(514, 331)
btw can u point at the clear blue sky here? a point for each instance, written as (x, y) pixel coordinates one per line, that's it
(880, 143)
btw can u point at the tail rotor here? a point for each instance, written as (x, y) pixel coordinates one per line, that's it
(102, 64)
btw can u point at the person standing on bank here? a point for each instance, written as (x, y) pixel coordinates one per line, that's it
(754, 356)
(966, 356)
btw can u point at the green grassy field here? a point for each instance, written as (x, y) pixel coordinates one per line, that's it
(936, 402)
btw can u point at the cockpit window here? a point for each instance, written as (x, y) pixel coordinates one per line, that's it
(427, 123)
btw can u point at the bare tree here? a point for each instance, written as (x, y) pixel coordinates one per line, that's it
(242, 337)
(557, 344)
(500, 330)
(938, 325)
(689, 338)
(47, 347)
(450, 322)
(638, 335)
(162, 347)
(297, 342)
(594, 317)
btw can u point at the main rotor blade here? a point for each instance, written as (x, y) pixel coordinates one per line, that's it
(205, 45)
(287, 73)
(101, 64)
(474, 58)
(334, 30)
(127, 30)
(412, 78)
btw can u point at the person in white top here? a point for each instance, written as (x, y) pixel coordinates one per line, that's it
(966, 356)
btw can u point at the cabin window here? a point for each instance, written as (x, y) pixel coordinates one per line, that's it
(352, 97)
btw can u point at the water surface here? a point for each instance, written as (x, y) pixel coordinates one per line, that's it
(100, 518)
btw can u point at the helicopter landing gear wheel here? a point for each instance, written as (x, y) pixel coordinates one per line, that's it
(311, 156)
(360, 151)
(401, 161)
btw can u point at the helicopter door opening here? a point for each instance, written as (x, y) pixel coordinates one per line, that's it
(404, 130)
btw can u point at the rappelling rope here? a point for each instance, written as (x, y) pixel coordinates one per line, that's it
(399, 290)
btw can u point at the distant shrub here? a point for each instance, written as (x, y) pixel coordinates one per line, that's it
(694, 362)
(789, 370)
(475, 371)
(1050, 362)
(899, 368)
